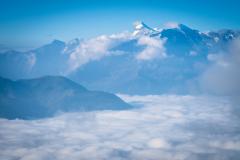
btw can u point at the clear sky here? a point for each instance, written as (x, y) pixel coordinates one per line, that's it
(30, 23)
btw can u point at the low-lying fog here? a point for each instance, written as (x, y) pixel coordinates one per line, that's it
(161, 127)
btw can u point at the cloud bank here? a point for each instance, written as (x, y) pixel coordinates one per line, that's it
(222, 76)
(166, 127)
(154, 48)
(101, 46)
(94, 49)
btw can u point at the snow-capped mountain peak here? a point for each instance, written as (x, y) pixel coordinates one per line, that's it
(138, 25)
(142, 25)
(143, 29)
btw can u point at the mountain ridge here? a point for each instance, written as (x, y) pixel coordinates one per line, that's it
(115, 56)
(46, 96)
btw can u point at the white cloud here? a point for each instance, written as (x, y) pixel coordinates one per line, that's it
(223, 75)
(95, 49)
(99, 47)
(154, 48)
(204, 129)
(226, 144)
(158, 143)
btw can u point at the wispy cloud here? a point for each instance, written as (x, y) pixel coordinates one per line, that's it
(95, 49)
(99, 47)
(154, 48)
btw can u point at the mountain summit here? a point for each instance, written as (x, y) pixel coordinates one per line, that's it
(142, 29)
(111, 63)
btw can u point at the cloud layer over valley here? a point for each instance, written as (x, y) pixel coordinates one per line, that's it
(162, 127)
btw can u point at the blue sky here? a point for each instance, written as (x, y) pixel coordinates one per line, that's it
(30, 23)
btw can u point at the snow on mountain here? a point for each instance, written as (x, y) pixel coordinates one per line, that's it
(155, 60)
(142, 29)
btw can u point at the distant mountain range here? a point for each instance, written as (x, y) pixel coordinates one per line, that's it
(49, 95)
(119, 70)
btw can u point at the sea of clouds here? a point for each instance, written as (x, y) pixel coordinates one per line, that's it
(161, 127)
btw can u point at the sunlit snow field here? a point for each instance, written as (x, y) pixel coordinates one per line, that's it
(160, 128)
